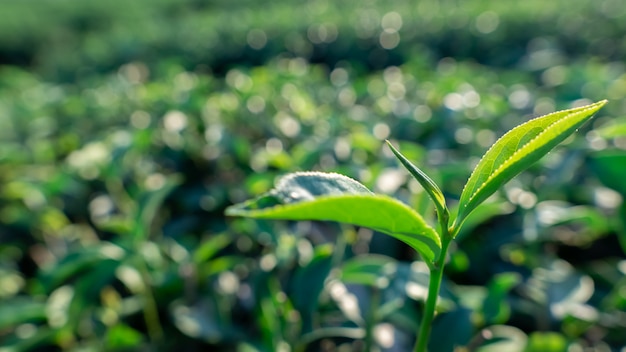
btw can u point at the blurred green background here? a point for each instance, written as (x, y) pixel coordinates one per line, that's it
(127, 127)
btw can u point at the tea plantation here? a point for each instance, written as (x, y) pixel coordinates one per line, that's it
(128, 127)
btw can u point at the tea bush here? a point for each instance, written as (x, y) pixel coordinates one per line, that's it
(129, 127)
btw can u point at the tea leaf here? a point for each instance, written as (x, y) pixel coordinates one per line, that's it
(429, 185)
(516, 151)
(334, 197)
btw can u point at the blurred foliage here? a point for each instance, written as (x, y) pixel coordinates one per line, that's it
(128, 127)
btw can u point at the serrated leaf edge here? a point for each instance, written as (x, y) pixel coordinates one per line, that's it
(520, 150)
(328, 175)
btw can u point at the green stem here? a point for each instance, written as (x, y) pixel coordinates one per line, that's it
(150, 310)
(370, 321)
(436, 276)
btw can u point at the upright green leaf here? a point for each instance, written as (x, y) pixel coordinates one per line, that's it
(334, 197)
(516, 151)
(429, 185)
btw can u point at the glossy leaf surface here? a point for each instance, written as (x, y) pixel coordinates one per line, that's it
(334, 197)
(516, 151)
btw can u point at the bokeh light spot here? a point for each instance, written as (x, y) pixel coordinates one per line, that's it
(392, 20)
(381, 130)
(389, 39)
(175, 121)
(257, 39)
(487, 22)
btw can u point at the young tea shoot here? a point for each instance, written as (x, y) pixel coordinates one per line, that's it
(334, 197)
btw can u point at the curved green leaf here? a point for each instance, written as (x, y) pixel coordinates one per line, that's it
(429, 185)
(517, 150)
(334, 197)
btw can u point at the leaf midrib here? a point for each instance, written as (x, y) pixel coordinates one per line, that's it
(523, 149)
(392, 223)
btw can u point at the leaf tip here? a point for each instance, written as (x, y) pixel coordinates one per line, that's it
(598, 105)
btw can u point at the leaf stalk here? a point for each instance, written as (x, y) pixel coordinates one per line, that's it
(434, 285)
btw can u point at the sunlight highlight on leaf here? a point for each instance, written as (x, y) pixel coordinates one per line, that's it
(334, 197)
(516, 151)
